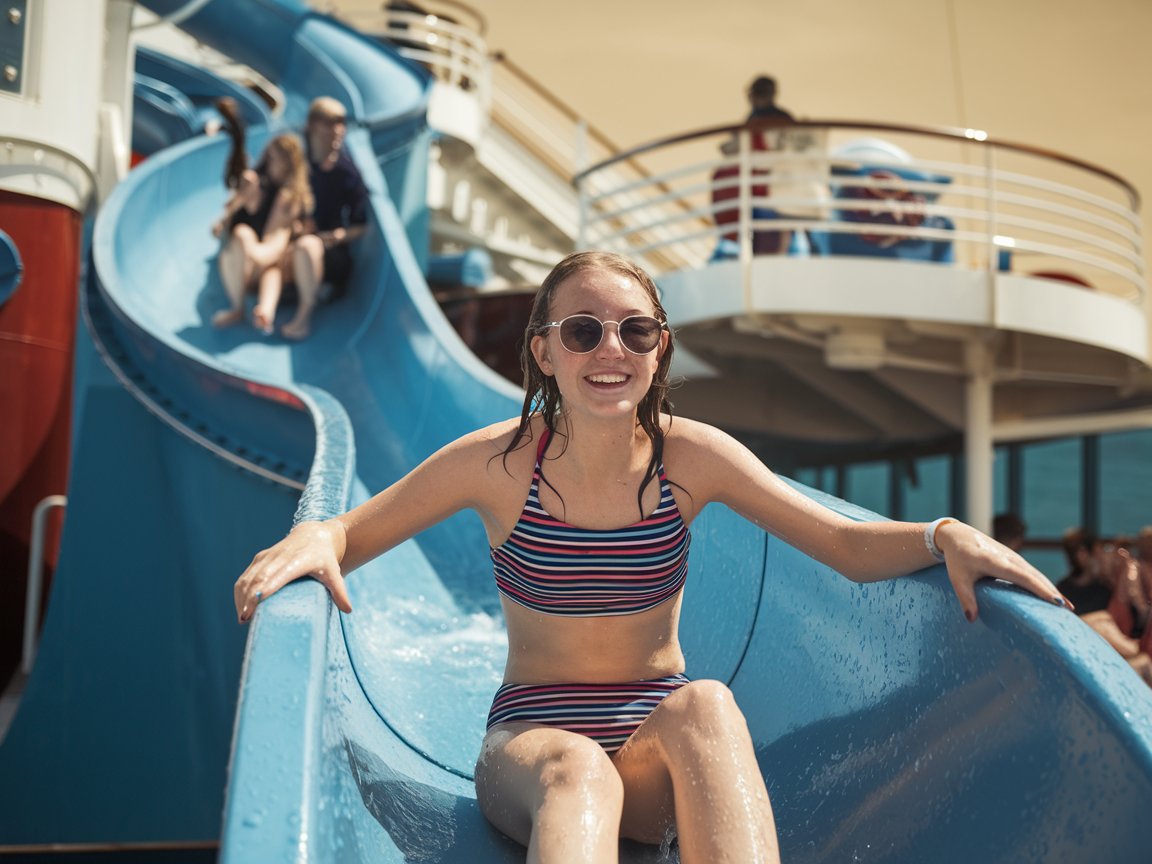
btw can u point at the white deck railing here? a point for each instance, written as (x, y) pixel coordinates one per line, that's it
(557, 136)
(955, 197)
(448, 38)
(844, 188)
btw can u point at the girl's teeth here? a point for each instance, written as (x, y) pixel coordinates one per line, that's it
(607, 379)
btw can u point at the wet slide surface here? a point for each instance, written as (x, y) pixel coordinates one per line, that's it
(887, 727)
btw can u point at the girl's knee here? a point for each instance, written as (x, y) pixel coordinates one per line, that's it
(579, 764)
(243, 237)
(705, 696)
(703, 705)
(308, 259)
(310, 246)
(249, 182)
(522, 776)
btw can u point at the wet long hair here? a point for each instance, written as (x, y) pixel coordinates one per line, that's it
(296, 183)
(234, 126)
(542, 396)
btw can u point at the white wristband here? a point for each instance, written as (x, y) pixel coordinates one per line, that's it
(930, 536)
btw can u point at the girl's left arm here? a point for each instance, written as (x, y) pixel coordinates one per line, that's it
(721, 469)
(281, 220)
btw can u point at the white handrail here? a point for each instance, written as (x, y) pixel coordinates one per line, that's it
(664, 215)
(36, 578)
(1057, 214)
(456, 54)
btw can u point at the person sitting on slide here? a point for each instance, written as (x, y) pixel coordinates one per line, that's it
(258, 221)
(319, 261)
(587, 499)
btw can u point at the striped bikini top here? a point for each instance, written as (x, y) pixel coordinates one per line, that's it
(553, 567)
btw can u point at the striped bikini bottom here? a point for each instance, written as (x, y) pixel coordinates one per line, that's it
(606, 713)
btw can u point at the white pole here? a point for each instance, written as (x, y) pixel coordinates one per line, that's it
(745, 218)
(978, 452)
(36, 578)
(580, 162)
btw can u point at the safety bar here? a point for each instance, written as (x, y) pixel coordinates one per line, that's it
(36, 578)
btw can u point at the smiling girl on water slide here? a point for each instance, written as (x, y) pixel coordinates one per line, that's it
(587, 498)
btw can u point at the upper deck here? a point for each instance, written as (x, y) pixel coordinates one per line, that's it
(823, 264)
(832, 284)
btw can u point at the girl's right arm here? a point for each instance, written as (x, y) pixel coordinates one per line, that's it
(230, 208)
(311, 548)
(248, 187)
(461, 475)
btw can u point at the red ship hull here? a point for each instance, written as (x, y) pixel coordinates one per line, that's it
(37, 345)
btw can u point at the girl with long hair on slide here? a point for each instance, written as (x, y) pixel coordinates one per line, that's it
(587, 498)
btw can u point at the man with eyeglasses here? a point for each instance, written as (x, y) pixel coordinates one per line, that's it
(319, 262)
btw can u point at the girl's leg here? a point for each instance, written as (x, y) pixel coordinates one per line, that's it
(267, 299)
(263, 254)
(235, 274)
(693, 757)
(554, 791)
(307, 274)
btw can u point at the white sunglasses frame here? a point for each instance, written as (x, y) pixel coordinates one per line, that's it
(604, 329)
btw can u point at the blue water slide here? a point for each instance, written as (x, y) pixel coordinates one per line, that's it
(887, 727)
(173, 100)
(124, 731)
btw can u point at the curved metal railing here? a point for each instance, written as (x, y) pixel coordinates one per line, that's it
(565, 141)
(952, 196)
(855, 188)
(448, 38)
(555, 134)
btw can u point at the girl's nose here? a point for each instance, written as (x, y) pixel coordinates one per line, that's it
(611, 338)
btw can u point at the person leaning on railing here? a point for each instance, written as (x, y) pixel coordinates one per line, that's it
(762, 106)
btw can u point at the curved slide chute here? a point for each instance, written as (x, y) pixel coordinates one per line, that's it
(174, 100)
(888, 728)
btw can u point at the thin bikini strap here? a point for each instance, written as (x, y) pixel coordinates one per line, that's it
(542, 446)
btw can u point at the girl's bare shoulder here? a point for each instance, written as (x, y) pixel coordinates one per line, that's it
(691, 438)
(705, 457)
(493, 445)
(497, 435)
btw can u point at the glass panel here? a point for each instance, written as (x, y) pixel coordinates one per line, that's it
(807, 476)
(1125, 478)
(1051, 562)
(1051, 487)
(868, 486)
(930, 496)
(1000, 480)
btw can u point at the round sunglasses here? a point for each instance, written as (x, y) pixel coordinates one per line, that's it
(581, 334)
